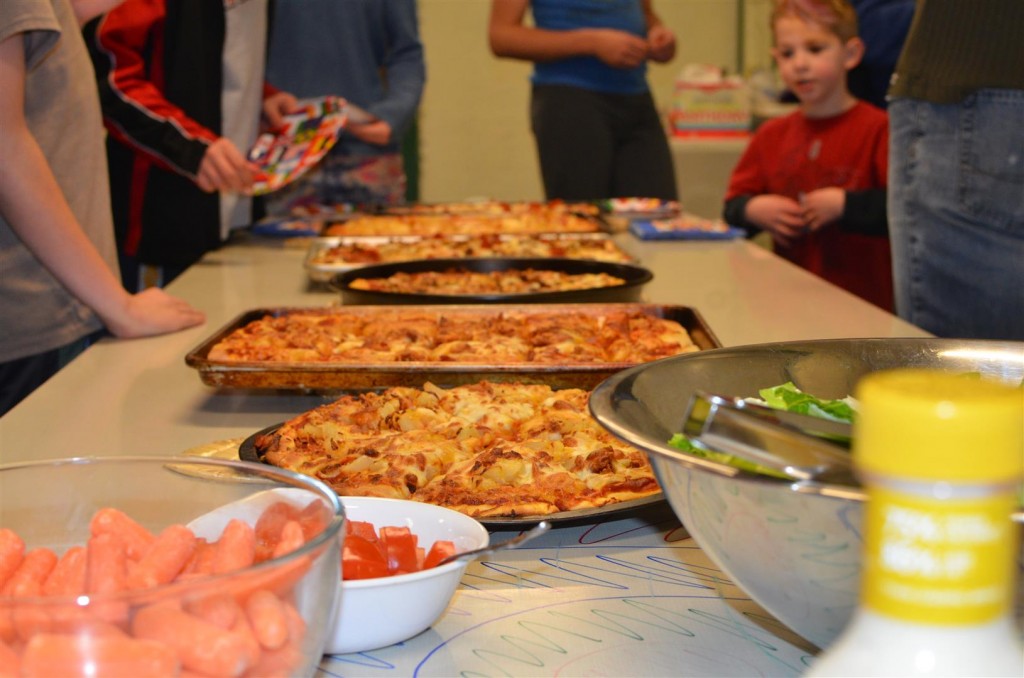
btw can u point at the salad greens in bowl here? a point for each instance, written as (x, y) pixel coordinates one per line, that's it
(793, 545)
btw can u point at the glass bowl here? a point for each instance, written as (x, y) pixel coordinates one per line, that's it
(134, 566)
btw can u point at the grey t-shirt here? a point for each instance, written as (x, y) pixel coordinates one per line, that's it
(63, 112)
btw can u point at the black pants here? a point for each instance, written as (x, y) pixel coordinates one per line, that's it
(593, 145)
(18, 378)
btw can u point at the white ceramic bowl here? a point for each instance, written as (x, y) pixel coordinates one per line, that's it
(374, 613)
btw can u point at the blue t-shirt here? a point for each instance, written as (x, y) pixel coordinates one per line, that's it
(590, 72)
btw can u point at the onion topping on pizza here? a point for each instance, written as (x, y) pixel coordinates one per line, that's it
(486, 449)
(412, 335)
(567, 246)
(460, 281)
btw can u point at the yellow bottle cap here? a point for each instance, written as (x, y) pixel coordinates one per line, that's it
(931, 425)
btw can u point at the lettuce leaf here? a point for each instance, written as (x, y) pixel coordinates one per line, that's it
(788, 397)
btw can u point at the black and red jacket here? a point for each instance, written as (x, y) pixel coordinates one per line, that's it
(159, 69)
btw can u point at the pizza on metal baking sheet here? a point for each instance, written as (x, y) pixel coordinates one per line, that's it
(469, 224)
(461, 281)
(581, 246)
(407, 334)
(485, 449)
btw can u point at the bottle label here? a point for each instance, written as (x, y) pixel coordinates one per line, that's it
(939, 561)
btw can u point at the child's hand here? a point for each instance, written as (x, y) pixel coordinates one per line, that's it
(377, 132)
(278, 105)
(224, 168)
(152, 312)
(780, 215)
(619, 49)
(661, 42)
(823, 206)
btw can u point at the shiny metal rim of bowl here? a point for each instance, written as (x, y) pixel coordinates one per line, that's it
(625, 402)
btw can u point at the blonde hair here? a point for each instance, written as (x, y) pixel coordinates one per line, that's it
(836, 15)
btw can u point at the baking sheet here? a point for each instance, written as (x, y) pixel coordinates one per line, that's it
(344, 376)
(496, 208)
(247, 452)
(469, 224)
(635, 278)
(321, 271)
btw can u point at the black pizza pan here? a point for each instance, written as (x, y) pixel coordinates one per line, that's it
(635, 278)
(248, 451)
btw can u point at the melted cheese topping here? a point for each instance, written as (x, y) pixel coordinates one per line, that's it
(488, 245)
(464, 224)
(539, 337)
(484, 449)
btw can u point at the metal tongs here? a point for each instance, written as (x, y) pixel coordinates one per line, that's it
(800, 446)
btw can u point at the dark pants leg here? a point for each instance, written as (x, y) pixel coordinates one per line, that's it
(593, 145)
(18, 378)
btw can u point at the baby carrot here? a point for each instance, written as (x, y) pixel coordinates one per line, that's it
(106, 571)
(243, 629)
(268, 527)
(236, 548)
(27, 581)
(201, 562)
(266, 615)
(108, 656)
(292, 538)
(201, 646)
(106, 566)
(12, 550)
(113, 521)
(164, 559)
(68, 576)
(314, 518)
(219, 608)
(289, 659)
(10, 662)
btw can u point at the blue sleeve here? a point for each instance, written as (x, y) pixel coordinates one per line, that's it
(883, 28)
(405, 67)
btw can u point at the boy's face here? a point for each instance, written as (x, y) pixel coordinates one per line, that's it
(813, 62)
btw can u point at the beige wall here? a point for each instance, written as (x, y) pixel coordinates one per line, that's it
(474, 126)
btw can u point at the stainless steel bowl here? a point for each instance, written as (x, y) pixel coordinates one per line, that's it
(794, 547)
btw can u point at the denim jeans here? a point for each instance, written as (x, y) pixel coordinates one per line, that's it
(956, 214)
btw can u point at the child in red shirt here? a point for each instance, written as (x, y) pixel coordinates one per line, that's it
(816, 178)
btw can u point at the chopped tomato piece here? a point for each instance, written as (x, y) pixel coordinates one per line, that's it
(438, 552)
(400, 547)
(362, 559)
(362, 528)
(392, 550)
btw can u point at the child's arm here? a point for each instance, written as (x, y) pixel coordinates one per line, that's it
(32, 203)
(749, 204)
(509, 37)
(137, 113)
(861, 212)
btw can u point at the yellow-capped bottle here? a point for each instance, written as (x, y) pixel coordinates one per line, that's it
(941, 458)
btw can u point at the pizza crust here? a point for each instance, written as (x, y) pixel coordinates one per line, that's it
(485, 449)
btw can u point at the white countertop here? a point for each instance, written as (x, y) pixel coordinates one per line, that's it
(139, 397)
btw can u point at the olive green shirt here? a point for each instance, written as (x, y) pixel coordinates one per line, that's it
(956, 47)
